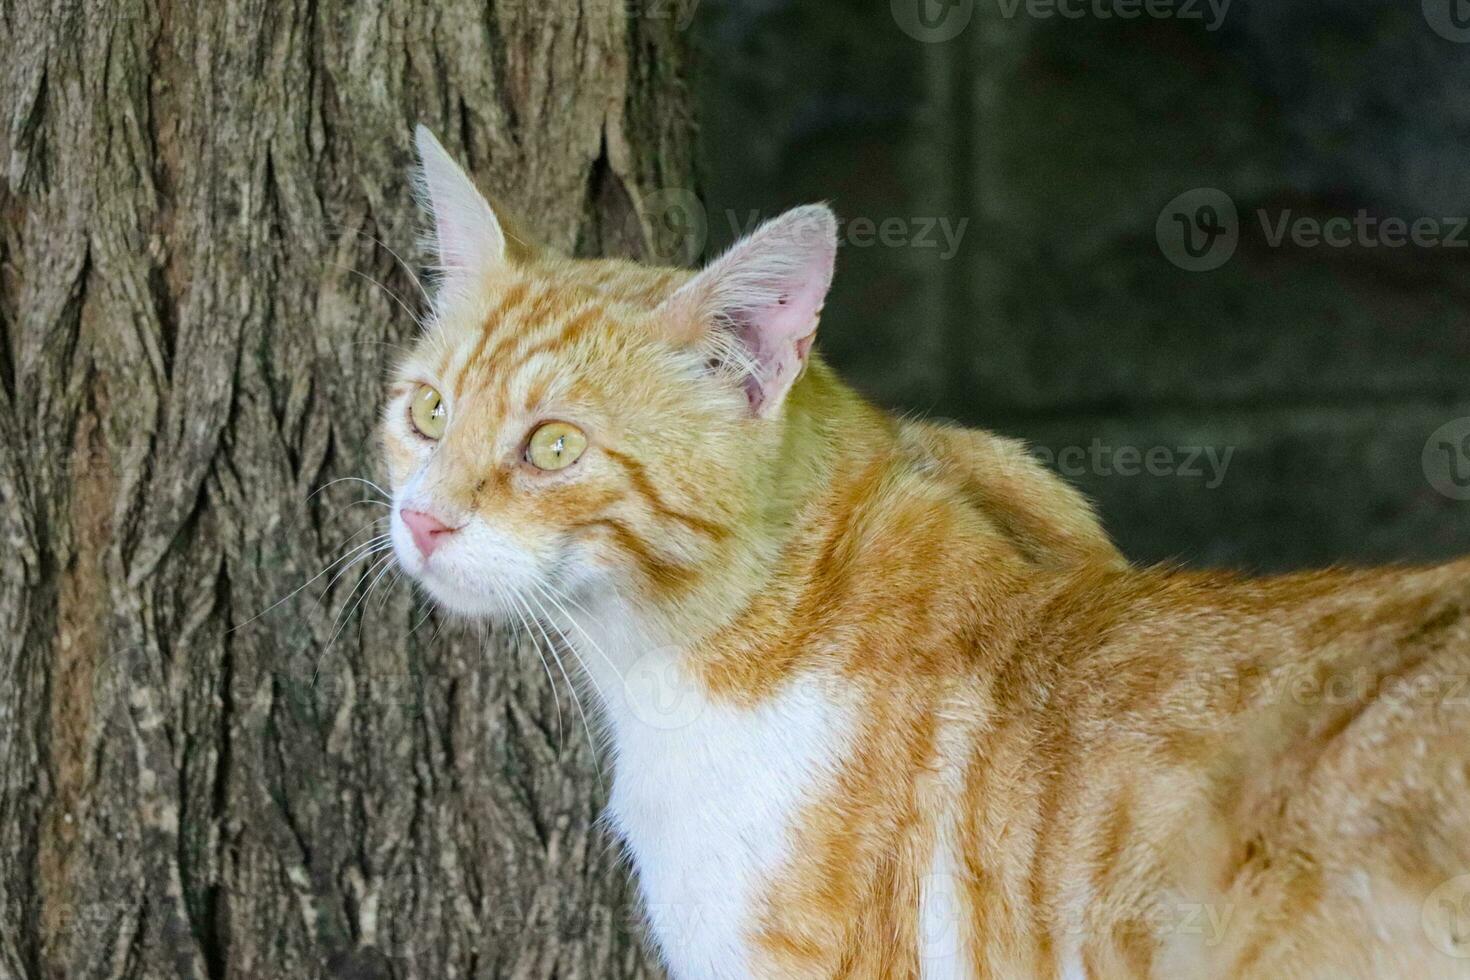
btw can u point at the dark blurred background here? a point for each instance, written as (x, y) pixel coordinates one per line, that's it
(1096, 233)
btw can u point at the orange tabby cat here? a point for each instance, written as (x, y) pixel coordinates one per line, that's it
(882, 700)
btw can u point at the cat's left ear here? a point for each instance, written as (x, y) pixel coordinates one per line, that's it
(467, 235)
(757, 306)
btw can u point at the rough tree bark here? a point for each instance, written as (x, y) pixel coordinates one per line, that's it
(194, 783)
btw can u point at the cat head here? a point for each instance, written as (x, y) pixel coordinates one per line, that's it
(565, 425)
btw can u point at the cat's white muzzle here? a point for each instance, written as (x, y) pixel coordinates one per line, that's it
(474, 570)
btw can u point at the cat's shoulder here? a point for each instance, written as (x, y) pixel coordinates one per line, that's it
(1046, 518)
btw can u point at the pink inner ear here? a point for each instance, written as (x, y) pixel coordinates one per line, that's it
(468, 235)
(779, 336)
(767, 292)
(804, 346)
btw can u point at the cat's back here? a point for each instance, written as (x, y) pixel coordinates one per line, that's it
(1221, 776)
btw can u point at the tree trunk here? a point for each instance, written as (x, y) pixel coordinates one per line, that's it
(197, 200)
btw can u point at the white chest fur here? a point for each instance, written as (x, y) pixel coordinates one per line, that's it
(706, 810)
(705, 796)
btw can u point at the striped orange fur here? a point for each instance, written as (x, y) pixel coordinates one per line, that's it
(936, 725)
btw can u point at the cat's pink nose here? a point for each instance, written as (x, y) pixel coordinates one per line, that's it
(428, 531)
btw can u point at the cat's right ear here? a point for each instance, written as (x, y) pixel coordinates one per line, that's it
(468, 238)
(756, 307)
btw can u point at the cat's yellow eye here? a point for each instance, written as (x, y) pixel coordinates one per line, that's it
(555, 446)
(428, 412)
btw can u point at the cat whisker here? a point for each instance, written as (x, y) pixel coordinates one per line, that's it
(416, 318)
(376, 546)
(428, 606)
(592, 739)
(388, 589)
(382, 343)
(566, 641)
(562, 600)
(428, 611)
(553, 599)
(413, 276)
(330, 565)
(358, 503)
(350, 479)
(561, 736)
(388, 566)
(340, 623)
(438, 628)
(576, 700)
(391, 568)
